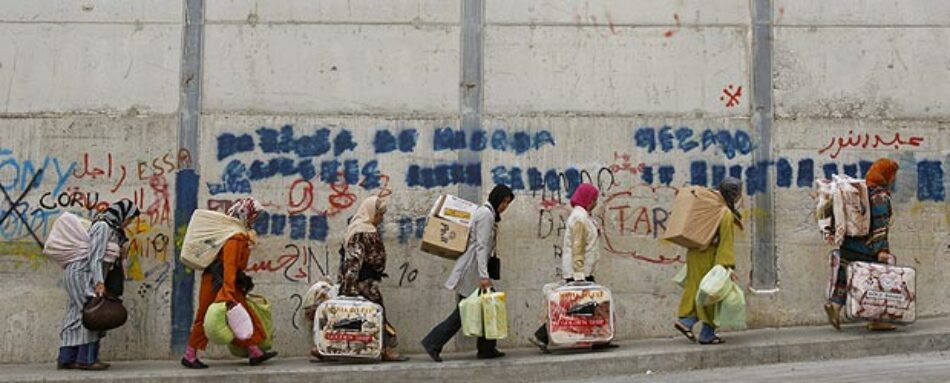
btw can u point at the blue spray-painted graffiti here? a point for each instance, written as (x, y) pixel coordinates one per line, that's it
(444, 175)
(930, 181)
(410, 227)
(386, 142)
(519, 142)
(312, 227)
(15, 173)
(15, 176)
(930, 175)
(685, 139)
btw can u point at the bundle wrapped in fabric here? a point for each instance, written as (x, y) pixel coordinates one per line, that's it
(321, 291)
(715, 286)
(494, 315)
(68, 241)
(206, 234)
(216, 324)
(261, 307)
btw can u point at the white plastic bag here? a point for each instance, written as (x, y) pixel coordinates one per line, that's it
(714, 287)
(470, 309)
(207, 232)
(240, 322)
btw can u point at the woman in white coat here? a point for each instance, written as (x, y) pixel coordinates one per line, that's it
(471, 273)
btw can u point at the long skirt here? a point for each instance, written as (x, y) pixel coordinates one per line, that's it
(79, 288)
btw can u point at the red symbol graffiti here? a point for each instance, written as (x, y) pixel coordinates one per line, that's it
(733, 96)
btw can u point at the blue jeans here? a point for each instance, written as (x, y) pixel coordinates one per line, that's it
(85, 354)
(706, 334)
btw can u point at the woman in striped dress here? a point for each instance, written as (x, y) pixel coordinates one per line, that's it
(79, 347)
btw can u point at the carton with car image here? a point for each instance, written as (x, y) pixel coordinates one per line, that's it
(349, 328)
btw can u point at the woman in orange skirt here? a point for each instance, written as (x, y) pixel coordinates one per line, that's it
(224, 281)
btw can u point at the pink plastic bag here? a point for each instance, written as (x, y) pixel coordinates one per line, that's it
(240, 322)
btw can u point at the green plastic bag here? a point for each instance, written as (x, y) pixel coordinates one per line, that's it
(730, 312)
(680, 278)
(714, 287)
(260, 305)
(471, 311)
(216, 324)
(495, 315)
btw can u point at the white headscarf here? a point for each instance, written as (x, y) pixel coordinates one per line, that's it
(362, 222)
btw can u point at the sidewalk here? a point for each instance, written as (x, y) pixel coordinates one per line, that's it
(754, 347)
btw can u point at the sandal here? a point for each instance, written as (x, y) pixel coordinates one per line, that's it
(688, 333)
(716, 340)
(834, 318)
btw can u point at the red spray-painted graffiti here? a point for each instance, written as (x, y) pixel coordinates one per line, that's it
(866, 140)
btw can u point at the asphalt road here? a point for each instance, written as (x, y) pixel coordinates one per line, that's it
(932, 367)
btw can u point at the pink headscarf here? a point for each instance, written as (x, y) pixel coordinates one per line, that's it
(585, 196)
(245, 209)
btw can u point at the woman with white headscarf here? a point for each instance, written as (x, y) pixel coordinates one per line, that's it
(85, 278)
(364, 264)
(224, 281)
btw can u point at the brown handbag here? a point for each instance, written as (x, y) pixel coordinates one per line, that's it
(104, 313)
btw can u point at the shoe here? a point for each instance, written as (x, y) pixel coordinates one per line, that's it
(834, 316)
(390, 355)
(881, 326)
(67, 366)
(104, 364)
(263, 358)
(432, 353)
(196, 365)
(97, 366)
(537, 342)
(604, 346)
(493, 355)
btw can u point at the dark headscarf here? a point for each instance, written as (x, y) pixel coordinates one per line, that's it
(731, 189)
(497, 196)
(116, 214)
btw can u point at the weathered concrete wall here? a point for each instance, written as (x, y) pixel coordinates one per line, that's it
(311, 106)
(90, 92)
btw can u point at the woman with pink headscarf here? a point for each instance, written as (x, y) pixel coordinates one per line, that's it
(580, 249)
(224, 280)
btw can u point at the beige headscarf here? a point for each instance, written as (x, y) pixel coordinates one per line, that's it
(362, 221)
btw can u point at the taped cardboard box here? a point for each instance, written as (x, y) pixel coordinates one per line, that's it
(694, 219)
(447, 229)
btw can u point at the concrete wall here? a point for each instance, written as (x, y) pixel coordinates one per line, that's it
(311, 106)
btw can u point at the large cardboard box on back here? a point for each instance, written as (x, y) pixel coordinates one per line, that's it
(446, 231)
(694, 219)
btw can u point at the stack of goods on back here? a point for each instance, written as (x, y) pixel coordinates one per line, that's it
(349, 327)
(694, 219)
(842, 209)
(580, 314)
(446, 231)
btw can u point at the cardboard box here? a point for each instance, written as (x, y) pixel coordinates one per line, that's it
(446, 231)
(694, 219)
(454, 209)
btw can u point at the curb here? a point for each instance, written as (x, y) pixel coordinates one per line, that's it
(754, 347)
